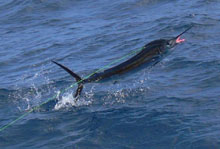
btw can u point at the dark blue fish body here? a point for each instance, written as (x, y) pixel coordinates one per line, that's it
(150, 53)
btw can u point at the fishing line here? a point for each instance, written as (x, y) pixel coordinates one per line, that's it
(71, 86)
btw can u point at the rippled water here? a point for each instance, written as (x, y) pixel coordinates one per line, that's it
(174, 104)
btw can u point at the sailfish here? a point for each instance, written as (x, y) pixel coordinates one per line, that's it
(151, 52)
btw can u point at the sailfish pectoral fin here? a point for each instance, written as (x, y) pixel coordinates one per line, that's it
(77, 77)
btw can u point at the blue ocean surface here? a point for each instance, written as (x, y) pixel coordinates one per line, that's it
(174, 104)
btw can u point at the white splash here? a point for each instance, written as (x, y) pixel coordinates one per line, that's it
(67, 101)
(32, 94)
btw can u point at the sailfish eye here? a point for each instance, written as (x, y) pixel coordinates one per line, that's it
(168, 44)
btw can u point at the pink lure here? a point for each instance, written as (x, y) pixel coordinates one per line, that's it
(178, 40)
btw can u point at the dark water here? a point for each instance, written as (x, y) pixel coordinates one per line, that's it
(175, 104)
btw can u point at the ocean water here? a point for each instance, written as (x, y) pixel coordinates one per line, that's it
(174, 104)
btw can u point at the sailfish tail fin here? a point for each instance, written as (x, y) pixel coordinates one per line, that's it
(77, 77)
